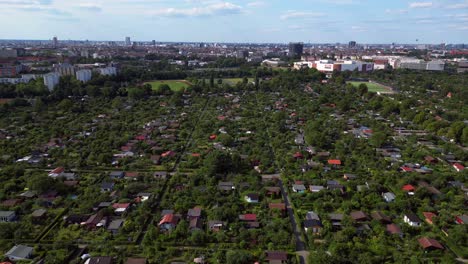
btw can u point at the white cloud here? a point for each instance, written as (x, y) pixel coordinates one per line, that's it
(256, 4)
(398, 11)
(458, 6)
(420, 4)
(358, 29)
(291, 14)
(223, 8)
(90, 7)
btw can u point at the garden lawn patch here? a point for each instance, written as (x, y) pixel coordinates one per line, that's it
(175, 85)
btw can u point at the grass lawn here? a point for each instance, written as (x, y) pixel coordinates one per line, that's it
(176, 85)
(372, 87)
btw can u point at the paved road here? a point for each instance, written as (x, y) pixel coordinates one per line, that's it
(300, 245)
(301, 249)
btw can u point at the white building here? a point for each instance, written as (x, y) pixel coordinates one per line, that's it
(19, 252)
(417, 64)
(328, 66)
(7, 216)
(51, 80)
(412, 219)
(83, 75)
(108, 71)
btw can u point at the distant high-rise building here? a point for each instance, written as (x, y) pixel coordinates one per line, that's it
(55, 42)
(128, 42)
(64, 69)
(84, 53)
(242, 54)
(153, 42)
(352, 44)
(296, 49)
(83, 75)
(8, 53)
(108, 71)
(51, 80)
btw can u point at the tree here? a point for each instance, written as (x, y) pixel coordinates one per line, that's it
(362, 89)
(40, 183)
(164, 89)
(378, 139)
(226, 139)
(135, 93)
(238, 257)
(65, 104)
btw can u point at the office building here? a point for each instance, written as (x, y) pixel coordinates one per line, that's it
(51, 80)
(296, 49)
(352, 44)
(83, 75)
(153, 42)
(128, 42)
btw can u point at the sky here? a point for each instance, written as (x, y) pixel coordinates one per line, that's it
(238, 21)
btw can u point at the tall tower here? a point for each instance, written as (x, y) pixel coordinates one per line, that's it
(55, 42)
(296, 49)
(128, 42)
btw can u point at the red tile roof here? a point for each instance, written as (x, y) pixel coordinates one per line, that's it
(168, 154)
(429, 243)
(298, 155)
(57, 170)
(248, 217)
(429, 216)
(406, 169)
(458, 166)
(334, 162)
(169, 218)
(120, 205)
(408, 188)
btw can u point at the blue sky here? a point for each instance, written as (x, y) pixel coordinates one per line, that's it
(316, 21)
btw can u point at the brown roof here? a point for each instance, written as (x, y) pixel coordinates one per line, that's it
(277, 255)
(393, 229)
(11, 202)
(426, 243)
(379, 216)
(280, 206)
(358, 215)
(136, 261)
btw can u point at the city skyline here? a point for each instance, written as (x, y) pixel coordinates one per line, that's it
(239, 21)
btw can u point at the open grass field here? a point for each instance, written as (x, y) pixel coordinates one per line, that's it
(175, 85)
(373, 87)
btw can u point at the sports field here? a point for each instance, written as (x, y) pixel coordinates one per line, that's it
(373, 87)
(175, 85)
